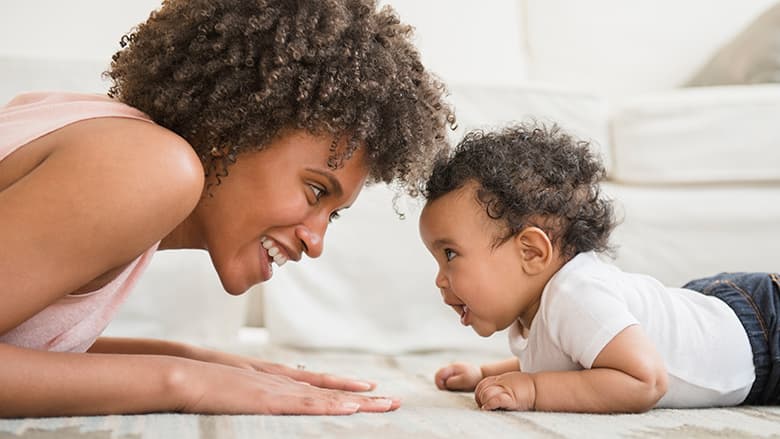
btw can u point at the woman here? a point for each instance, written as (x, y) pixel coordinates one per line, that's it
(238, 127)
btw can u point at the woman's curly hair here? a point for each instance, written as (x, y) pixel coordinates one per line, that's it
(532, 175)
(232, 74)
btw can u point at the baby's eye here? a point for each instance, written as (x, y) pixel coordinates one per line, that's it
(318, 191)
(334, 216)
(449, 254)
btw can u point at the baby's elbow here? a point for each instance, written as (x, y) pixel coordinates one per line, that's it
(651, 390)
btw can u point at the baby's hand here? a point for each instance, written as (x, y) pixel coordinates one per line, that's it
(509, 391)
(458, 376)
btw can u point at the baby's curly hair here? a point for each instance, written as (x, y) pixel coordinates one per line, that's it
(532, 175)
(232, 74)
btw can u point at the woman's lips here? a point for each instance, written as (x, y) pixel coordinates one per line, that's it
(266, 269)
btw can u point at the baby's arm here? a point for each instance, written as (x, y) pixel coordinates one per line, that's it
(627, 376)
(465, 377)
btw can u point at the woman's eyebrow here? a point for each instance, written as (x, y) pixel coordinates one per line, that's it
(334, 183)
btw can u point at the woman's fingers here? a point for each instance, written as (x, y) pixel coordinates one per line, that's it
(327, 381)
(330, 405)
(228, 390)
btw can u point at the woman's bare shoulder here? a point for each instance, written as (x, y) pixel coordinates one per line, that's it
(105, 192)
(146, 154)
(147, 172)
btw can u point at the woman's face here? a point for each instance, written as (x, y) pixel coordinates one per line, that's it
(273, 207)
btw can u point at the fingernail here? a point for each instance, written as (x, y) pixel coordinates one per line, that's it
(364, 385)
(350, 406)
(384, 401)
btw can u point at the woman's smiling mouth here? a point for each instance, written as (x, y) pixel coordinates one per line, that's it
(273, 251)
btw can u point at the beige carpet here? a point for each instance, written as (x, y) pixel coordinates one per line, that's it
(426, 412)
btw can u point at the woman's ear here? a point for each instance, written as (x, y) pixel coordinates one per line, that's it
(535, 248)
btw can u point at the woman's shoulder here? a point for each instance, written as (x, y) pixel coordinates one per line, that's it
(139, 144)
(145, 155)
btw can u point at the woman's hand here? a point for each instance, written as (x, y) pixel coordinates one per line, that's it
(323, 380)
(458, 376)
(165, 347)
(216, 388)
(509, 391)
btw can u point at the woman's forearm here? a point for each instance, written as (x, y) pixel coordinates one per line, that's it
(37, 383)
(147, 346)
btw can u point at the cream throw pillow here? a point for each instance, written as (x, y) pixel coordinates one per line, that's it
(752, 57)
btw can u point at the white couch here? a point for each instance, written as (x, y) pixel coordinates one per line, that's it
(695, 171)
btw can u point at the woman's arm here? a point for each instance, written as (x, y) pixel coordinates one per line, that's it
(119, 345)
(37, 383)
(627, 376)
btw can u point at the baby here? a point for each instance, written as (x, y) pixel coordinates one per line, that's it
(517, 225)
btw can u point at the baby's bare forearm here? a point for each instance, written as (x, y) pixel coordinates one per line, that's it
(594, 391)
(507, 365)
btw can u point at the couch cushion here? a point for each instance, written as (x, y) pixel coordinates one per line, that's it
(583, 115)
(752, 57)
(698, 135)
(678, 232)
(22, 74)
(619, 48)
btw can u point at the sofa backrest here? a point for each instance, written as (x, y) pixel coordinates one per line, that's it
(622, 47)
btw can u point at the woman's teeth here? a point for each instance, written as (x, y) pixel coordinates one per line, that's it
(273, 251)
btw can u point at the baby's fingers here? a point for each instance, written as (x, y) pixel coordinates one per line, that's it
(442, 375)
(458, 381)
(486, 389)
(500, 400)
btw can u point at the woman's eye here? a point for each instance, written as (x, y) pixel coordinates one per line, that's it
(318, 191)
(449, 254)
(333, 217)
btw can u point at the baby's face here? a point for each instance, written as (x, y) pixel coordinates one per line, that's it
(482, 283)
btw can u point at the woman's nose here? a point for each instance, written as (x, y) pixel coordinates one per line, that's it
(312, 234)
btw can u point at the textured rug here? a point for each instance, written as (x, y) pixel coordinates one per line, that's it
(425, 412)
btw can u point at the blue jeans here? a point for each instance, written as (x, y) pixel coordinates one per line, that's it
(755, 297)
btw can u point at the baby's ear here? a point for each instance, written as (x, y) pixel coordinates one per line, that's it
(535, 248)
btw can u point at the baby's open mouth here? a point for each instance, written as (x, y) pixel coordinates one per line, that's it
(464, 315)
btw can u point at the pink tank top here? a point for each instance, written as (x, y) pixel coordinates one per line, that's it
(72, 323)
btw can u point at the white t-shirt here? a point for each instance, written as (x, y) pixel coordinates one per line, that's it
(589, 301)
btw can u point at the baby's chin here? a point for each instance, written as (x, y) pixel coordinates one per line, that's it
(487, 332)
(483, 332)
